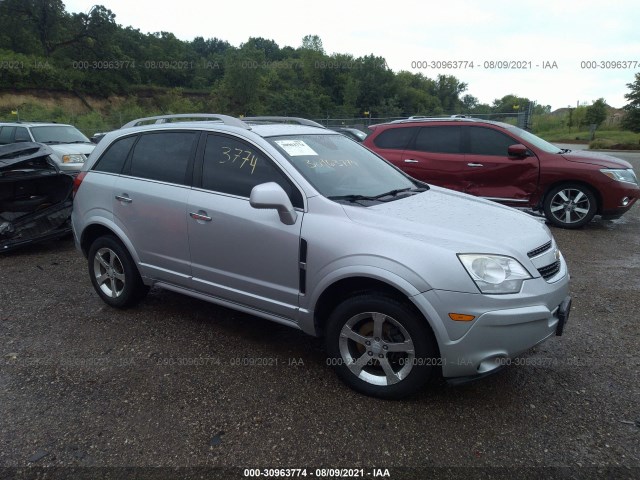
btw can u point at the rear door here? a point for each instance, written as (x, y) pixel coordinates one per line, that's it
(150, 202)
(239, 253)
(392, 142)
(435, 156)
(492, 173)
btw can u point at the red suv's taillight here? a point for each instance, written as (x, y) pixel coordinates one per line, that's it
(77, 181)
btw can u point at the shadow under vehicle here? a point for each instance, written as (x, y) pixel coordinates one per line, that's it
(35, 196)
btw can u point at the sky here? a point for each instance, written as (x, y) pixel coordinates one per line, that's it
(582, 44)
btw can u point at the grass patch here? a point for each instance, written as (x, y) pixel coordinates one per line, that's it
(602, 137)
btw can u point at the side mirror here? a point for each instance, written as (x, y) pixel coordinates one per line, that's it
(518, 151)
(272, 196)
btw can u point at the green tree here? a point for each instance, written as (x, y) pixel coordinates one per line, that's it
(448, 90)
(243, 79)
(596, 113)
(312, 42)
(510, 104)
(631, 120)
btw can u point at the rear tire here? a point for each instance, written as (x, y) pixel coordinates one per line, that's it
(570, 205)
(114, 274)
(380, 347)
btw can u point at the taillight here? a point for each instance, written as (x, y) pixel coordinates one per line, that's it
(77, 181)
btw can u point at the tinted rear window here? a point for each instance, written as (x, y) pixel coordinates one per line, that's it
(439, 139)
(163, 156)
(113, 159)
(395, 138)
(6, 135)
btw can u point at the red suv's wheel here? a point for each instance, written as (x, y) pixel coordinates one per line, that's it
(570, 205)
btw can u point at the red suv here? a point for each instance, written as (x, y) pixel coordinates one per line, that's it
(509, 165)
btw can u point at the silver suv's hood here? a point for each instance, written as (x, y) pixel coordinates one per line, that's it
(457, 222)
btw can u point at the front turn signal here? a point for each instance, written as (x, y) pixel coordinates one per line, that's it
(461, 317)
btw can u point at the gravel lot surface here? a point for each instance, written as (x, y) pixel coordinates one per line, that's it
(177, 382)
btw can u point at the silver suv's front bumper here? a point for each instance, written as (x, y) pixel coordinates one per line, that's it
(504, 327)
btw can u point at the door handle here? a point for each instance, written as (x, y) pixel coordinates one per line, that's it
(411, 160)
(475, 165)
(124, 198)
(201, 215)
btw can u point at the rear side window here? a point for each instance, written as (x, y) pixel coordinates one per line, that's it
(395, 138)
(113, 159)
(163, 156)
(6, 135)
(439, 139)
(235, 167)
(487, 141)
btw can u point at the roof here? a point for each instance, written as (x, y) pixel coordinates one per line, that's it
(446, 120)
(34, 124)
(263, 126)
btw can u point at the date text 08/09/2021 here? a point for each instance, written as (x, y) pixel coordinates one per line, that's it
(316, 472)
(503, 64)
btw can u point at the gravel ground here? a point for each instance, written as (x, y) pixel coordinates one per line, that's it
(178, 382)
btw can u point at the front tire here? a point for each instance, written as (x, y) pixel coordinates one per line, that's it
(380, 347)
(570, 205)
(114, 274)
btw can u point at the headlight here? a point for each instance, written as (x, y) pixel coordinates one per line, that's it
(73, 158)
(620, 175)
(494, 273)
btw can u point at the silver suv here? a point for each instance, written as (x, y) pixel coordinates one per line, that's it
(70, 147)
(302, 226)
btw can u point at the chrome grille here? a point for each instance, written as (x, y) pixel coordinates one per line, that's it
(541, 249)
(550, 270)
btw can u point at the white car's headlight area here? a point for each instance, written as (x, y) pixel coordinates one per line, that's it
(73, 158)
(494, 273)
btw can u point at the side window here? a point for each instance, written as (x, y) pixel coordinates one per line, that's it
(163, 156)
(235, 167)
(113, 159)
(395, 138)
(487, 141)
(6, 135)
(22, 135)
(439, 139)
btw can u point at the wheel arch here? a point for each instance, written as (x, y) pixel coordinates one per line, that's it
(348, 287)
(99, 229)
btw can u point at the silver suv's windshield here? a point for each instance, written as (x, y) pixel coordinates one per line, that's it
(341, 169)
(535, 141)
(53, 134)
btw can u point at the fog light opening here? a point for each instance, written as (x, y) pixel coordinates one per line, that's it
(625, 201)
(492, 363)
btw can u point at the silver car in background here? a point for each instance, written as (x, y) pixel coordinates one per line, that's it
(297, 224)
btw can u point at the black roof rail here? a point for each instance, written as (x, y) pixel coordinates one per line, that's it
(185, 117)
(278, 119)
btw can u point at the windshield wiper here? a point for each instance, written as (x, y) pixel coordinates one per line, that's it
(52, 142)
(564, 150)
(351, 198)
(392, 193)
